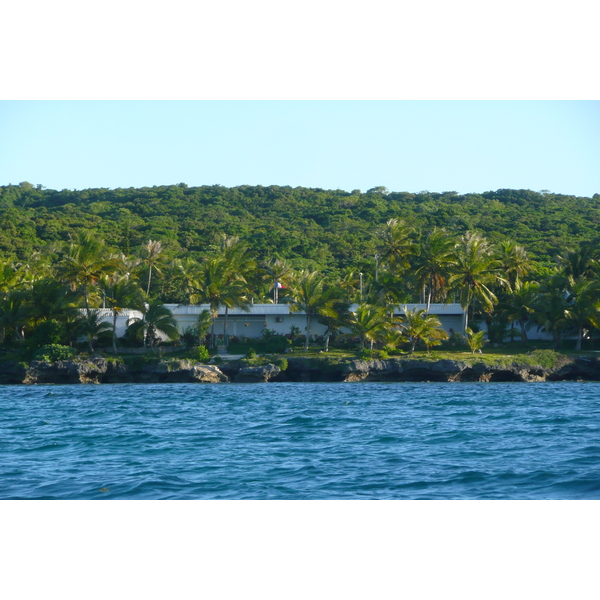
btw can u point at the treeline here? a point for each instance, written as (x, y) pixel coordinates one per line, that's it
(48, 297)
(326, 230)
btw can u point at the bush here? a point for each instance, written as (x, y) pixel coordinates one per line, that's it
(282, 363)
(277, 345)
(547, 359)
(202, 354)
(54, 352)
(47, 333)
(475, 339)
(251, 353)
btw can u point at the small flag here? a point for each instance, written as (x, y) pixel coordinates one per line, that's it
(278, 285)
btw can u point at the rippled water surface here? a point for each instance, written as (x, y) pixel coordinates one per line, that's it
(301, 441)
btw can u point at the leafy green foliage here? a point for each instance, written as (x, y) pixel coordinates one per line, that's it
(54, 352)
(475, 339)
(201, 354)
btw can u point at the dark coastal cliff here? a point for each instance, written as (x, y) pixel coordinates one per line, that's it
(101, 370)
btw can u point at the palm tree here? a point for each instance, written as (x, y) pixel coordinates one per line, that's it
(92, 326)
(84, 263)
(435, 263)
(157, 319)
(584, 307)
(51, 299)
(9, 276)
(397, 244)
(475, 272)
(241, 267)
(417, 325)
(277, 270)
(337, 313)
(214, 284)
(522, 305)
(475, 340)
(350, 284)
(581, 262)
(309, 297)
(15, 314)
(552, 306)
(514, 262)
(121, 293)
(369, 322)
(153, 250)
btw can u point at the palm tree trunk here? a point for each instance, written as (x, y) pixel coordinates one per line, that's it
(523, 332)
(307, 332)
(114, 335)
(327, 341)
(225, 327)
(428, 299)
(579, 338)
(149, 279)
(86, 300)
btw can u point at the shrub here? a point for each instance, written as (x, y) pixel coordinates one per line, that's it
(54, 352)
(277, 345)
(547, 359)
(475, 339)
(282, 363)
(251, 353)
(201, 354)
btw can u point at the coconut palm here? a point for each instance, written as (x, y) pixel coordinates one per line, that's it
(475, 271)
(581, 262)
(310, 298)
(51, 299)
(584, 307)
(350, 284)
(522, 304)
(475, 340)
(514, 263)
(153, 249)
(417, 325)
(85, 261)
(398, 244)
(15, 314)
(214, 284)
(157, 319)
(336, 315)
(121, 293)
(241, 268)
(278, 271)
(551, 307)
(369, 322)
(92, 326)
(435, 262)
(9, 276)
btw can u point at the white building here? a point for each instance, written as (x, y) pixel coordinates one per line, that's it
(279, 318)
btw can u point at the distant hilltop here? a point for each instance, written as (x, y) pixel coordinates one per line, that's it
(310, 227)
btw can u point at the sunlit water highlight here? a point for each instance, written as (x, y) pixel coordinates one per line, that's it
(301, 441)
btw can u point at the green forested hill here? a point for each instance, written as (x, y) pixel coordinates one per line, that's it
(309, 227)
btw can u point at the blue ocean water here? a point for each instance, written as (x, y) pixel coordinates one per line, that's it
(301, 441)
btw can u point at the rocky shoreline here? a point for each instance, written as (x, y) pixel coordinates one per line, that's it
(101, 370)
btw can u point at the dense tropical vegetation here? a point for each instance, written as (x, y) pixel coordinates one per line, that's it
(515, 260)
